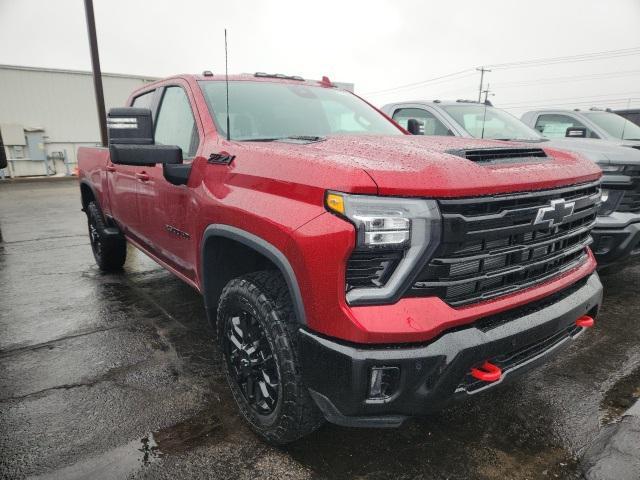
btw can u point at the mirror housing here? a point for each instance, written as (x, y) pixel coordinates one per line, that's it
(130, 126)
(576, 132)
(145, 155)
(413, 126)
(131, 139)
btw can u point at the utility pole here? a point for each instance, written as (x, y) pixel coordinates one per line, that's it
(481, 70)
(487, 92)
(97, 74)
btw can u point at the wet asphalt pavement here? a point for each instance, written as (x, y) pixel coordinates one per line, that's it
(117, 376)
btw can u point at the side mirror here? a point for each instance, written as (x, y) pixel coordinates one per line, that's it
(131, 139)
(576, 132)
(413, 126)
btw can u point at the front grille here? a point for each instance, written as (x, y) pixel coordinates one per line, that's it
(492, 246)
(493, 321)
(630, 201)
(371, 269)
(493, 155)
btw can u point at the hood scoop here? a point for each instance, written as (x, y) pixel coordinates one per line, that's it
(500, 155)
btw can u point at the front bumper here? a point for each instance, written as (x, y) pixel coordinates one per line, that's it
(337, 374)
(616, 238)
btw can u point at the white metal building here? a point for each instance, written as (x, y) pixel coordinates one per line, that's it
(46, 114)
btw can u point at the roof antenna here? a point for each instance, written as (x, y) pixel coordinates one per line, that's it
(226, 80)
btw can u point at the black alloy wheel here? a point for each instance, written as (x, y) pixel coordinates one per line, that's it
(94, 237)
(251, 362)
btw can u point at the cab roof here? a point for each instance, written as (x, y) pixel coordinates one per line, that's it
(254, 77)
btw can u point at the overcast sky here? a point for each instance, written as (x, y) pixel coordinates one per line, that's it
(375, 44)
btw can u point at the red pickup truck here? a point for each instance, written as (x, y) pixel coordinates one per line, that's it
(353, 272)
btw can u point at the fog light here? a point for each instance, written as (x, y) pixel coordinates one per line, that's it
(604, 245)
(383, 382)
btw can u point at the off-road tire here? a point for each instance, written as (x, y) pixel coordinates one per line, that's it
(267, 297)
(109, 251)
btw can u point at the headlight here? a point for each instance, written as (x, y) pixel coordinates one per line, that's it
(611, 168)
(609, 201)
(408, 226)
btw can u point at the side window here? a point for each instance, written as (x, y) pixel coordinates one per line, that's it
(555, 125)
(143, 101)
(634, 117)
(429, 124)
(175, 124)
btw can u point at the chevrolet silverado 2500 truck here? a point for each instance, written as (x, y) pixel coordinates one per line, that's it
(617, 230)
(352, 272)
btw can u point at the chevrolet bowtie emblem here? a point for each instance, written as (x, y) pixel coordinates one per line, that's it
(555, 213)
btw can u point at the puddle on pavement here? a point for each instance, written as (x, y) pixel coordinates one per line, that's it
(621, 396)
(201, 429)
(113, 464)
(492, 437)
(551, 463)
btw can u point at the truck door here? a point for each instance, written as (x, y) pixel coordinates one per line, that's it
(122, 192)
(165, 208)
(123, 185)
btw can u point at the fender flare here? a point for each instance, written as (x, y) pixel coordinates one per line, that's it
(87, 183)
(261, 246)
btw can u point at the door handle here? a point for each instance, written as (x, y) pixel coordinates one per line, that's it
(143, 177)
(111, 168)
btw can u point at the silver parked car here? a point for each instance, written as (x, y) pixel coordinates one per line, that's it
(617, 230)
(594, 123)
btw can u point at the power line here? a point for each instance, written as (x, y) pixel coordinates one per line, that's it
(571, 78)
(616, 101)
(569, 58)
(584, 57)
(423, 82)
(591, 97)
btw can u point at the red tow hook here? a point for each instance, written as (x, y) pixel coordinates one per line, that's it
(488, 372)
(585, 321)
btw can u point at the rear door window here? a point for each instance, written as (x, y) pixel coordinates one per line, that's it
(555, 125)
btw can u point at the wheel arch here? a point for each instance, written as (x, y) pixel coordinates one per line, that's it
(228, 252)
(87, 194)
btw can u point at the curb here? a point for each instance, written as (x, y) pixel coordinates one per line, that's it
(39, 179)
(615, 452)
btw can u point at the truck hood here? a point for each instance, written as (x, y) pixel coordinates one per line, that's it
(408, 165)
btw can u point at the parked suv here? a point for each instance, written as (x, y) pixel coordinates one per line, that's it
(353, 272)
(617, 229)
(594, 123)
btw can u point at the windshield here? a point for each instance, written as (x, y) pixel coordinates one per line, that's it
(270, 110)
(615, 125)
(482, 121)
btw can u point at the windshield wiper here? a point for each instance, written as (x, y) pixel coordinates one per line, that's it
(527, 140)
(306, 138)
(272, 139)
(300, 138)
